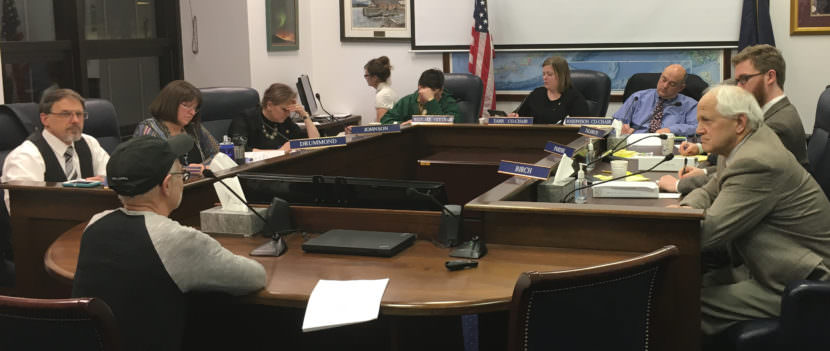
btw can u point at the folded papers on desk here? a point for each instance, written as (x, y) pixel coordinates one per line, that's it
(335, 303)
(253, 156)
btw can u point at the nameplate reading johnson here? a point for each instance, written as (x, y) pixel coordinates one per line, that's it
(433, 119)
(524, 170)
(318, 142)
(386, 128)
(559, 149)
(510, 120)
(593, 132)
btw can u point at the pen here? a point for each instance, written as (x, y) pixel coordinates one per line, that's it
(683, 171)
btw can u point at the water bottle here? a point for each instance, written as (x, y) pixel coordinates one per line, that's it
(589, 157)
(226, 147)
(579, 195)
(239, 144)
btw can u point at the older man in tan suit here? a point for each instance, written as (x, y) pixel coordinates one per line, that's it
(762, 206)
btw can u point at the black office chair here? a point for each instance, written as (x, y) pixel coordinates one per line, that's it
(818, 147)
(803, 324)
(102, 123)
(467, 90)
(642, 81)
(595, 87)
(220, 105)
(59, 324)
(606, 307)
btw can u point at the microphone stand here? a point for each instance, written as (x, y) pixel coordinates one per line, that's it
(474, 248)
(665, 159)
(277, 242)
(331, 116)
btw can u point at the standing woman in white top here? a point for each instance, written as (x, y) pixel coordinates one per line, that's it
(377, 72)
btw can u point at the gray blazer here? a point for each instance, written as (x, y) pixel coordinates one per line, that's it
(783, 118)
(768, 211)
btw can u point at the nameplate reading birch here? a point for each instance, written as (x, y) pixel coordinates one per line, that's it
(317, 142)
(585, 121)
(559, 149)
(433, 119)
(522, 121)
(524, 170)
(386, 128)
(593, 132)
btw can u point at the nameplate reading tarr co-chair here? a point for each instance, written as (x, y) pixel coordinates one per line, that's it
(522, 121)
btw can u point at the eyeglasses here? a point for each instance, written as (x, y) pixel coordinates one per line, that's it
(365, 76)
(67, 114)
(194, 108)
(185, 175)
(746, 77)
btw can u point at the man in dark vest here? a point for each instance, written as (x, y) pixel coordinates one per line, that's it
(59, 152)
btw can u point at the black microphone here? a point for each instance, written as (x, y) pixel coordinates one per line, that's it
(278, 243)
(331, 116)
(665, 159)
(615, 149)
(450, 220)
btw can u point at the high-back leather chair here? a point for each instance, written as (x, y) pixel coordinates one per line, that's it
(60, 324)
(606, 307)
(17, 121)
(803, 324)
(595, 87)
(818, 149)
(102, 123)
(220, 105)
(641, 81)
(467, 90)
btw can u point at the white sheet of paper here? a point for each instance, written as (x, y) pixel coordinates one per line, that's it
(229, 202)
(263, 154)
(668, 195)
(563, 171)
(335, 303)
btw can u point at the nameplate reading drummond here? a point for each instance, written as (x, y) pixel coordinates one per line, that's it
(524, 170)
(317, 142)
(386, 128)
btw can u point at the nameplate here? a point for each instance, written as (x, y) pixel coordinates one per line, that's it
(317, 142)
(582, 121)
(433, 119)
(524, 170)
(559, 149)
(386, 128)
(510, 120)
(593, 132)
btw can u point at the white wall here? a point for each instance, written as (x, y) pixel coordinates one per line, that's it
(237, 56)
(223, 58)
(807, 60)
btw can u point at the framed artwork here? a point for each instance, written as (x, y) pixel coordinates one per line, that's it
(374, 20)
(282, 25)
(810, 17)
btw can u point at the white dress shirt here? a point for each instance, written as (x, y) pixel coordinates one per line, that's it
(385, 96)
(26, 163)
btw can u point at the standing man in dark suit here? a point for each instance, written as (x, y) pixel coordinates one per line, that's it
(760, 70)
(762, 206)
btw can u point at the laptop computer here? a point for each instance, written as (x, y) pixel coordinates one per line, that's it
(359, 242)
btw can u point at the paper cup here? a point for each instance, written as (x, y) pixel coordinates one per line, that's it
(619, 168)
(668, 145)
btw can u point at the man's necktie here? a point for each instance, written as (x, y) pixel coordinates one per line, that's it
(69, 165)
(657, 120)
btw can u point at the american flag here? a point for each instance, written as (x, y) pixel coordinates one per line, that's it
(481, 55)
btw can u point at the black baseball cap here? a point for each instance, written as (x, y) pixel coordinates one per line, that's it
(141, 163)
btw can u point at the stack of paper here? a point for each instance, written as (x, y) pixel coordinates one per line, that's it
(334, 303)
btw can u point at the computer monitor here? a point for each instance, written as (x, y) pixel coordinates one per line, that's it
(333, 191)
(307, 94)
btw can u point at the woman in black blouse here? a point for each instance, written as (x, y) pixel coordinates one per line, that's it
(555, 100)
(269, 125)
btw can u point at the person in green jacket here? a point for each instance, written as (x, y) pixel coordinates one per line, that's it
(430, 99)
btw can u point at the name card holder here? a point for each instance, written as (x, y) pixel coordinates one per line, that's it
(516, 121)
(433, 119)
(524, 170)
(559, 149)
(375, 129)
(317, 142)
(593, 132)
(586, 121)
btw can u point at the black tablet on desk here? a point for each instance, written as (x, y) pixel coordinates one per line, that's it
(359, 242)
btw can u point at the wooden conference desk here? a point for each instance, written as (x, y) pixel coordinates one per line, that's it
(504, 214)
